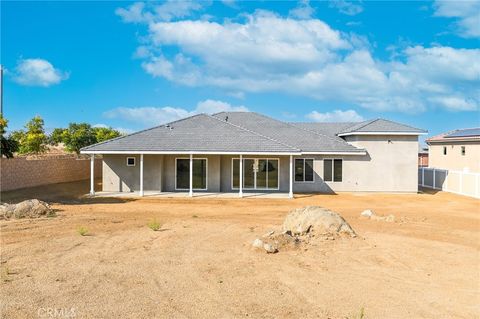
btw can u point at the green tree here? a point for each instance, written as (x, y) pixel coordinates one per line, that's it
(56, 136)
(105, 133)
(33, 140)
(78, 135)
(8, 145)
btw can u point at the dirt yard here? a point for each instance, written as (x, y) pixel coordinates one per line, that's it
(201, 264)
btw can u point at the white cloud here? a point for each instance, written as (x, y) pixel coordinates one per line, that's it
(38, 72)
(230, 3)
(467, 14)
(150, 116)
(456, 103)
(212, 106)
(122, 130)
(350, 8)
(140, 12)
(269, 53)
(303, 10)
(335, 116)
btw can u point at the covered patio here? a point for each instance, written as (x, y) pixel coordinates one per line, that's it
(214, 175)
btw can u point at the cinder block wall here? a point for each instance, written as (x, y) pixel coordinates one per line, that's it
(22, 172)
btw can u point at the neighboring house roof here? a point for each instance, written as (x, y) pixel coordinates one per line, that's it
(422, 149)
(305, 140)
(460, 135)
(465, 133)
(242, 132)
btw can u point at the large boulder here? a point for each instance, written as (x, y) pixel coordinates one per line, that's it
(316, 220)
(32, 208)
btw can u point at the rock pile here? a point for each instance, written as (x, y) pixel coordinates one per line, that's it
(303, 224)
(32, 208)
(371, 215)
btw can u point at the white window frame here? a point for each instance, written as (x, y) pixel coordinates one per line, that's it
(333, 170)
(304, 181)
(255, 175)
(206, 172)
(134, 160)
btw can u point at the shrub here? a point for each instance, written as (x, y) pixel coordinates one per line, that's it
(83, 231)
(78, 135)
(33, 140)
(154, 225)
(8, 145)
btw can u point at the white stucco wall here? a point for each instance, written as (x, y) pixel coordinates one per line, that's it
(389, 166)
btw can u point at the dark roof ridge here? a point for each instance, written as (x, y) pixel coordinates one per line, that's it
(250, 131)
(300, 128)
(365, 123)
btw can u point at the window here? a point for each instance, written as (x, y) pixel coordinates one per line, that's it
(444, 150)
(463, 150)
(332, 170)
(130, 161)
(199, 174)
(303, 170)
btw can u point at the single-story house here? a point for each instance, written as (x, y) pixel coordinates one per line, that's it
(249, 152)
(457, 150)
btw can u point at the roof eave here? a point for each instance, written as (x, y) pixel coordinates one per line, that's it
(382, 133)
(296, 153)
(191, 152)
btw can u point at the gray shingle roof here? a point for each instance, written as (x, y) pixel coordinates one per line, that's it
(331, 129)
(197, 133)
(306, 140)
(371, 126)
(381, 125)
(244, 132)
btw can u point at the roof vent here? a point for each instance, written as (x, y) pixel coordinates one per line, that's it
(226, 118)
(169, 127)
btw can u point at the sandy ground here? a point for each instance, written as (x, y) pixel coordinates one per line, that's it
(201, 263)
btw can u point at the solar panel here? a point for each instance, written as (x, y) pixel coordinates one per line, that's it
(465, 133)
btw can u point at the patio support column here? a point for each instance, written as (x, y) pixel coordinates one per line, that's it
(141, 175)
(92, 177)
(240, 186)
(190, 192)
(290, 193)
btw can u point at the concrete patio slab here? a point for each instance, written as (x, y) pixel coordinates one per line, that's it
(148, 194)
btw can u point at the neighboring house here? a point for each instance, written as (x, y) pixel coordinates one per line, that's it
(422, 156)
(249, 152)
(457, 150)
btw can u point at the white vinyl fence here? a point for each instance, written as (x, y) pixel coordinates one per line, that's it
(463, 183)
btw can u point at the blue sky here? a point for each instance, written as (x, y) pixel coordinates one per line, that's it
(132, 65)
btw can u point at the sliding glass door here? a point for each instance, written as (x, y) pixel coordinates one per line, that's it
(262, 173)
